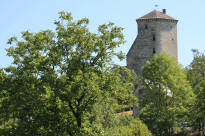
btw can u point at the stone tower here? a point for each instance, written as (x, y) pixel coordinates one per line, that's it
(157, 32)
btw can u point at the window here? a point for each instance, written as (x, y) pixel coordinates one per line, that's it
(146, 26)
(153, 37)
(141, 91)
(154, 51)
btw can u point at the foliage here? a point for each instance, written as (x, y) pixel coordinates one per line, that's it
(129, 126)
(196, 70)
(168, 95)
(103, 116)
(196, 76)
(59, 78)
(199, 109)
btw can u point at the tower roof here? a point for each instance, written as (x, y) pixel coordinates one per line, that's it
(156, 15)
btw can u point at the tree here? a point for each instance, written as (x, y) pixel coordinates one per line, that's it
(196, 68)
(57, 77)
(168, 95)
(196, 76)
(104, 117)
(128, 126)
(199, 108)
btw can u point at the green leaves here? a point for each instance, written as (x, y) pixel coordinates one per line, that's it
(168, 95)
(129, 126)
(58, 77)
(196, 76)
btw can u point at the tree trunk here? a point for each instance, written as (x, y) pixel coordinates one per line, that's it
(203, 129)
(199, 127)
(79, 122)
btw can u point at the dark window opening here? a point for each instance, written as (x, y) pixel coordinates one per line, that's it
(154, 51)
(153, 38)
(146, 26)
(141, 91)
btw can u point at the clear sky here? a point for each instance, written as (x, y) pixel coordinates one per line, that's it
(35, 15)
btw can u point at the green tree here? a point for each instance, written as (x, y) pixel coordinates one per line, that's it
(199, 109)
(168, 95)
(128, 126)
(104, 113)
(196, 76)
(196, 70)
(57, 77)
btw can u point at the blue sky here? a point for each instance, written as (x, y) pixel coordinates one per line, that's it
(36, 15)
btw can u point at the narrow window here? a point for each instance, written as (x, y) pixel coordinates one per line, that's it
(146, 26)
(141, 91)
(153, 37)
(154, 51)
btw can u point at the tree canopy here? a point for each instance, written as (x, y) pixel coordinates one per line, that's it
(64, 82)
(58, 78)
(196, 76)
(168, 95)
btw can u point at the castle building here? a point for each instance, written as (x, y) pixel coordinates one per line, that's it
(157, 32)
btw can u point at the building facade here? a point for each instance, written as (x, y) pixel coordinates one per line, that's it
(157, 32)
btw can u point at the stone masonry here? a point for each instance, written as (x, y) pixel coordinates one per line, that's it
(157, 32)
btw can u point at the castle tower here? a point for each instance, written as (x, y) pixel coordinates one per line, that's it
(157, 32)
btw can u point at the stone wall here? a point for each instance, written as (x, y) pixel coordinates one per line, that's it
(154, 36)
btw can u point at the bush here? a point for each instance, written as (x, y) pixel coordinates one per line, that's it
(129, 126)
